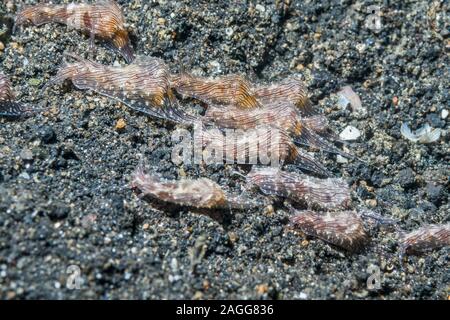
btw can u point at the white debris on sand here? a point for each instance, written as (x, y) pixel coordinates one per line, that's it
(346, 97)
(341, 159)
(426, 134)
(350, 133)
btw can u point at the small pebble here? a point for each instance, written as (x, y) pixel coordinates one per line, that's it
(262, 288)
(26, 154)
(444, 114)
(233, 237)
(299, 67)
(121, 124)
(341, 159)
(182, 173)
(25, 176)
(303, 296)
(198, 295)
(269, 210)
(260, 8)
(215, 66)
(395, 101)
(174, 265)
(348, 97)
(350, 133)
(372, 203)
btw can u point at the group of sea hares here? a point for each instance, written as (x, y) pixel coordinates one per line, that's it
(282, 110)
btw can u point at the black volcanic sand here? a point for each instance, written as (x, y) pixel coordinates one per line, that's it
(65, 197)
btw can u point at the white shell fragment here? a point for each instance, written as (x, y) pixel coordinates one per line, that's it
(341, 159)
(426, 134)
(350, 133)
(348, 97)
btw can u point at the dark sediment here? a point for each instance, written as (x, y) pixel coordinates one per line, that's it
(64, 174)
